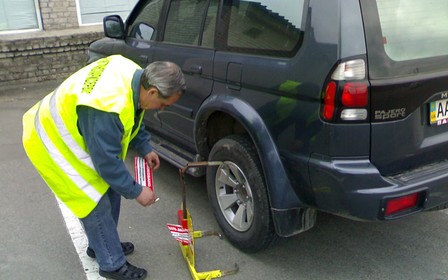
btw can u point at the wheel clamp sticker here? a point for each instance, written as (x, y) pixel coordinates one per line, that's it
(143, 173)
(179, 233)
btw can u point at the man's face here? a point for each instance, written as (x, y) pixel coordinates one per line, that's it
(151, 99)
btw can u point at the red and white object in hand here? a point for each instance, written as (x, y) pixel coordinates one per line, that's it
(143, 173)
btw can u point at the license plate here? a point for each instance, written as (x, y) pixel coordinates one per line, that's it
(438, 112)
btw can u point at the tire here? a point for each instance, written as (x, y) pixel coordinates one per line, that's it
(238, 195)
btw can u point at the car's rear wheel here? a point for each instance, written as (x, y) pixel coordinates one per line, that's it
(238, 195)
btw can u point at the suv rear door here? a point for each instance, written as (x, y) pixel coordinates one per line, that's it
(408, 70)
(257, 41)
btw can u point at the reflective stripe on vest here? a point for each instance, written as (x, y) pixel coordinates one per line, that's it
(59, 158)
(66, 136)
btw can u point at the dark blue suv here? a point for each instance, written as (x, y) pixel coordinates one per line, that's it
(313, 105)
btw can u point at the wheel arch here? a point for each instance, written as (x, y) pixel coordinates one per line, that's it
(222, 115)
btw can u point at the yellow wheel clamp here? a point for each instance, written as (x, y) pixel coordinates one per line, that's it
(184, 233)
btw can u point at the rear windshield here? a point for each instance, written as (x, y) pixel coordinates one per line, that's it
(406, 36)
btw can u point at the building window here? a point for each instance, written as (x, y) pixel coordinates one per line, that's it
(18, 15)
(95, 11)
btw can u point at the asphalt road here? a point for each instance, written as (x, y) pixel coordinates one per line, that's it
(35, 243)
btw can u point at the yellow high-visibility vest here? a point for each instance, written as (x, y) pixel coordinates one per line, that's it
(53, 143)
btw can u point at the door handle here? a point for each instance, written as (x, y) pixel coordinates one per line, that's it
(195, 69)
(143, 58)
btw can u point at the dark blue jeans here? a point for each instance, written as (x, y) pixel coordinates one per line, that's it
(101, 230)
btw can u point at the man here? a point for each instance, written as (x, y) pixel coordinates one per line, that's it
(77, 137)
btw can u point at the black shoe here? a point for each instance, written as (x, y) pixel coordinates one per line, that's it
(127, 271)
(128, 248)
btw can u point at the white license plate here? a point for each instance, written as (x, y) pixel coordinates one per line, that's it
(438, 112)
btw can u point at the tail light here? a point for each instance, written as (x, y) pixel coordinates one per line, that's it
(346, 95)
(329, 101)
(402, 205)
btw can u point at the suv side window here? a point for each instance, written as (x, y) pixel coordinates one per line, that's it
(144, 26)
(266, 27)
(208, 35)
(185, 21)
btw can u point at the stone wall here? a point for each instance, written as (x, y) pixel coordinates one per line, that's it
(45, 55)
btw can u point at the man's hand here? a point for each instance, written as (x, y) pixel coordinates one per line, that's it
(146, 197)
(153, 160)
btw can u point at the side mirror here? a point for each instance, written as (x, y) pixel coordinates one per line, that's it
(113, 27)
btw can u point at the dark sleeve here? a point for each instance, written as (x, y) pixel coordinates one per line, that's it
(140, 143)
(102, 132)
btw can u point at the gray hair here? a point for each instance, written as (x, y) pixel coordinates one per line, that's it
(166, 76)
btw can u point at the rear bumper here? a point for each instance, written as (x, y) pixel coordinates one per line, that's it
(355, 189)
